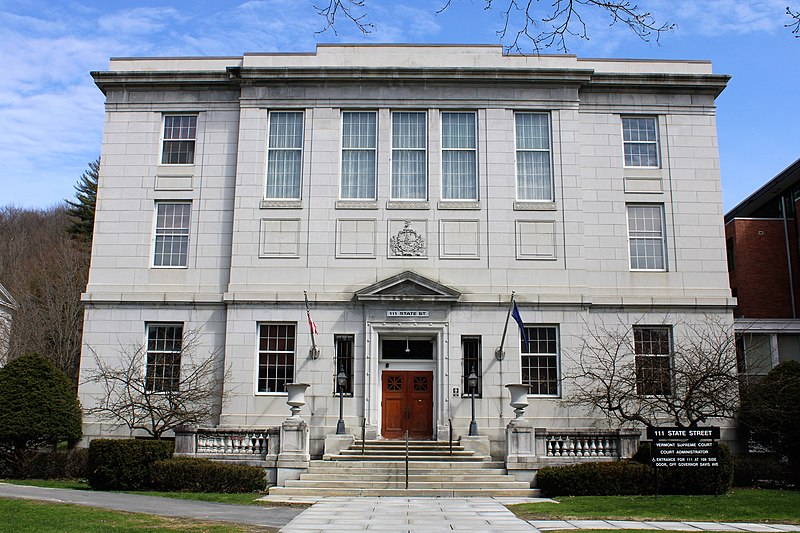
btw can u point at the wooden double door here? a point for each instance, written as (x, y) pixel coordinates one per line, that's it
(407, 404)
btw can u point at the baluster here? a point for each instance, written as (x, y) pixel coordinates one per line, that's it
(570, 445)
(593, 447)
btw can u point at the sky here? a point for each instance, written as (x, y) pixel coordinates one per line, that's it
(51, 113)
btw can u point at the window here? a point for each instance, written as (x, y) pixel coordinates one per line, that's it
(275, 357)
(164, 343)
(646, 237)
(409, 165)
(540, 360)
(344, 362)
(534, 174)
(471, 350)
(284, 155)
(653, 348)
(172, 234)
(179, 137)
(640, 141)
(459, 157)
(358, 154)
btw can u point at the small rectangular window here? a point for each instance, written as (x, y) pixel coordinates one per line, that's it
(534, 167)
(471, 350)
(653, 348)
(344, 363)
(359, 148)
(180, 132)
(640, 141)
(409, 161)
(540, 366)
(646, 237)
(459, 157)
(164, 344)
(172, 234)
(284, 155)
(275, 357)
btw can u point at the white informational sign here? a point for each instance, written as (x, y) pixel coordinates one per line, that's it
(407, 314)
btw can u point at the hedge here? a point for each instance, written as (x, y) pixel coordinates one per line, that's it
(59, 464)
(763, 471)
(202, 475)
(124, 464)
(596, 479)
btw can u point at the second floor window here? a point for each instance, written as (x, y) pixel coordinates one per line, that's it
(653, 347)
(646, 237)
(640, 141)
(471, 358)
(284, 155)
(409, 161)
(534, 167)
(358, 155)
(171, 247)
(179, 138)
(459, 157)
(344, 362)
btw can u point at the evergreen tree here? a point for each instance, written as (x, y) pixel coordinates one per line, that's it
(81, 211)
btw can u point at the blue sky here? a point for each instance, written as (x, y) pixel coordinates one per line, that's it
(51, 114)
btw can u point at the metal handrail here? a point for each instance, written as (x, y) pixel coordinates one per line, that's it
(406, 459)
(450, 423)
(363, 434)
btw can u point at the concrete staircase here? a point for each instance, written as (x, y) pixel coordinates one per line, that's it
(380, 471)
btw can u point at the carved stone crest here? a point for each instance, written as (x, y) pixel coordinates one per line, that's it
(407, 242)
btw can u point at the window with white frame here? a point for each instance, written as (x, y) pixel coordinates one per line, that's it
(171, 247)
(653, 348)
(640, 141)
(359, 147)
(178, 141)
(459, 157)
(646, 237)
(284, 155)
(471, 362)
(540, 361)
(344, 362)
(275, 357)
(163, 367)
(409, 156)
(534, 166)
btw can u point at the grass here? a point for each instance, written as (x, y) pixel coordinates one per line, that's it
(740, 505)
(21, 516)
(76, 484)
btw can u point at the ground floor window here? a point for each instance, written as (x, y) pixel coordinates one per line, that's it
(653, 347)
(540, 360)
(275, 357)
(344, 363)
(164, 344)
(471, 357)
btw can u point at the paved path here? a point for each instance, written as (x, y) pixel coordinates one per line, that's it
(274, 517)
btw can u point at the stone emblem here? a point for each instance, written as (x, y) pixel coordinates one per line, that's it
(407, 242)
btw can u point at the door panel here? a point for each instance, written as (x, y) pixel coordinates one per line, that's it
(407, 404)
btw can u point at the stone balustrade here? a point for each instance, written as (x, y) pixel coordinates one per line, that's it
(586, 444)
(259, 444)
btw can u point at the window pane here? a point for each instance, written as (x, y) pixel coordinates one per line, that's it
(639, 129)
(533, 131)
(640, 141)
(458, 130)
(408, 130)
(358, 155)
(409, 179)
(533, 176)
(459, 175)
(646, 237)
(358, 130)
(172, 234)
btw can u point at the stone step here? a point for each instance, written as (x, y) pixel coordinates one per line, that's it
(407, 493)
(411, 452)
(413, 465)
(440, 484)
(402, 446)
(381, 456)
(395, 476)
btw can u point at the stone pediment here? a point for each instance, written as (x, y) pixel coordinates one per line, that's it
(408, 286)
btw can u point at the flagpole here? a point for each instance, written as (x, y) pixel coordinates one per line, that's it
(498, 353)
(314, 352)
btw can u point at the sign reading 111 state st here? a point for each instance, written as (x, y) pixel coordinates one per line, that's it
(684, 447)
(407, 314)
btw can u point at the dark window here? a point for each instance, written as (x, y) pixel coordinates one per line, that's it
(540, 360)
(407, 349)
(653, 347)
(164, 343)
(471, 349)
(731, 256)
(275, 357)
(344, 362)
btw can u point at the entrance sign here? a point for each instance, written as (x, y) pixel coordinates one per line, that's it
(684, 447)
(408, 314)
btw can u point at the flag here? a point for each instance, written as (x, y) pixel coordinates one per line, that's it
(518, 318)
(311, 325)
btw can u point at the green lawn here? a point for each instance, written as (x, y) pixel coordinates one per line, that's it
(22, 516)
(740, 505)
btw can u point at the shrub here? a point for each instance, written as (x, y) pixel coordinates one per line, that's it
(37, 405)
(202, 475)
(707, 480)
(761, 470)
(124, 464)
(59, 464)
(596, 479)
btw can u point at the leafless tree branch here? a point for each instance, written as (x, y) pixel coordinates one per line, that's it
(350, 9)
(794, 25)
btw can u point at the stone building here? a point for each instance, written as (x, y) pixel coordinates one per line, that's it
(764, 264)
(409, 190)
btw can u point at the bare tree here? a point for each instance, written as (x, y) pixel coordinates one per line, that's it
(151, 400)
(697, 381)
(794, 24)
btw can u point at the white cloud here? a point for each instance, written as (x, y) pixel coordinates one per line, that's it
(724, 17)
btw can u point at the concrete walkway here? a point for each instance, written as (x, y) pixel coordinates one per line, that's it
(273, 517)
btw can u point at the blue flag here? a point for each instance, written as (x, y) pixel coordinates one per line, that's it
(518, 318)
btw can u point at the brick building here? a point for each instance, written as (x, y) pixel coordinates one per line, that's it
(764, 267)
